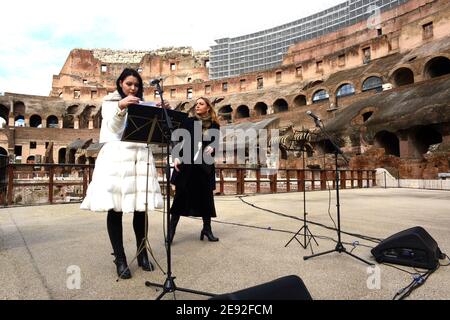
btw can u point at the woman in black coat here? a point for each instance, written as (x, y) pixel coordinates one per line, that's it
(195, 180)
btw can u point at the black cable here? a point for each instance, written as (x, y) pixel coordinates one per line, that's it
(418, 281)
(367, 238)
(329, 204)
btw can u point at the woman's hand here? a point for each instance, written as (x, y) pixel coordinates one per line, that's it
(125, 102)
(176, 164)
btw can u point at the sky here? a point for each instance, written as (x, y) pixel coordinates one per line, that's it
(37, 36)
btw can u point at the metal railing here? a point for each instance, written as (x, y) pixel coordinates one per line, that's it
(29, 184)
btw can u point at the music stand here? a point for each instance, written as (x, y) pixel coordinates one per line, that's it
(155, 125)
(144, 125)
(339, 246)
(299, 143)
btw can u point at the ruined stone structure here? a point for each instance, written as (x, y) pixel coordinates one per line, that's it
(383, 92)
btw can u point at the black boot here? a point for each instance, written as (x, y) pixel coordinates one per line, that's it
(139, 231)
(206, 231)
(114, 224)
(173, 226)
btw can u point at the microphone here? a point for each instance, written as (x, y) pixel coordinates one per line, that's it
(155, 81)
(312, 115)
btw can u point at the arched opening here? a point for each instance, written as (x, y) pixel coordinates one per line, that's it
(81, 160)
(345, 90)
(300, 100)
(3, 152)
(69, 117)
(366, 116)
(98, 120)
(225, 113)
(242, 112)
(35, 121)
(62, 155)
(72, 156)
(183, 106)
(52, 122)
(85, 116)
(31, 159)
(389, 142)
(19, 121)
(372, 83)
(19, 109)
(4, 112)
(325, 146)
(403, 77)
(261, 109)
(280, 106)
(423, 138)
(321, 96)
(437, 67)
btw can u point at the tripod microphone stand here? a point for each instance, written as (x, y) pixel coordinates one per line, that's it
(339, 246)
(306, 232)
(169, 284)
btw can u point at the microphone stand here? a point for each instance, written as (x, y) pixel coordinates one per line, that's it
(169, 284)
(339, 247)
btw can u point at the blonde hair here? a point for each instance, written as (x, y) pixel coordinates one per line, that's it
(212, 112)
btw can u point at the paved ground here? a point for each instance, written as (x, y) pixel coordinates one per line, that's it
(39, 244)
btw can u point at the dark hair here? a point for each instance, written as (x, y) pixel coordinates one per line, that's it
(126, 73)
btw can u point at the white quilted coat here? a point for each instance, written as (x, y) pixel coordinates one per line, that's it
(120, 173)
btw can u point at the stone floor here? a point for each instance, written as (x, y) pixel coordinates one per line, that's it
(44, 250)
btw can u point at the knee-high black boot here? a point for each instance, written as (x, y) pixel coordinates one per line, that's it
(114, 224)
(173, 226)
(206, 231)
(139, 231)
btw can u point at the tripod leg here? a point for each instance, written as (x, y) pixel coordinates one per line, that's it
(360, 259)
(318, 254)
(295, 237)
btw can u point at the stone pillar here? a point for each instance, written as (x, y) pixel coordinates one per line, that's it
(91, 124)
(44, 123)
(76, 123)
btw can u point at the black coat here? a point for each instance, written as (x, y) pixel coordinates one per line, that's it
(195, 183)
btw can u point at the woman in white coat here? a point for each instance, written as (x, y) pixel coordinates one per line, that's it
(119, 180)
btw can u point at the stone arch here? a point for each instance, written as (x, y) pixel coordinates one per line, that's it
(225, 113)
(31, 159)
(98, 119)
(436, 67)
(320, 95)
(300, 100)
(280, 105)
(4, 114)
(260, 109)
(69, 117)
(85, 116)
(372, 83)
(402, 77)
(81, 160)
(19, 109)
(389, 142)
(3, 152)
(242, 112)
(345, 89)
(62, 155)
(423, 137)
(52, 121)
(19, 121)
(36, 121)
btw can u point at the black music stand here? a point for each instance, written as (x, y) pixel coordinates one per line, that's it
(147, 124)
(301, 146)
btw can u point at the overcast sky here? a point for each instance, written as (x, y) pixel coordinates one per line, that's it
(37, 36)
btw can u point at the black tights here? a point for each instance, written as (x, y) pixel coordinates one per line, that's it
(115, 230)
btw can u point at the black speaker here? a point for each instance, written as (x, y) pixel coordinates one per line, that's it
(413, 247)
(285, 288)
